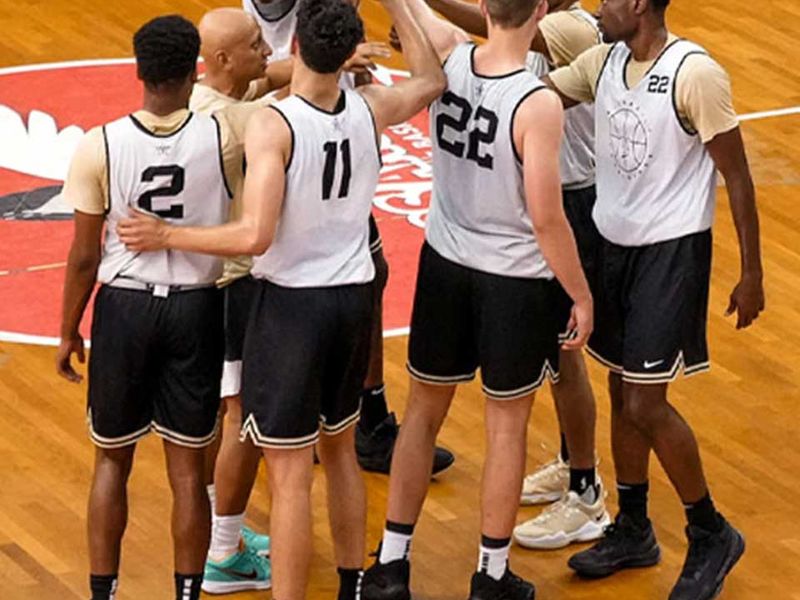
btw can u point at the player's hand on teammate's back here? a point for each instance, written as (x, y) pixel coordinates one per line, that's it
(66, 349)
(581, 324)
(362, 59)
(747, 300)
(142, 233)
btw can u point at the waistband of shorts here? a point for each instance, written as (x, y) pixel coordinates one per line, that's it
(578, 187)
(156, 289)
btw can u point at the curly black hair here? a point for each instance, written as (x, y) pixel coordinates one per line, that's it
(166, 49)
(328, 32)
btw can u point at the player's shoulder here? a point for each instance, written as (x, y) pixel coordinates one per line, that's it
(698, 63)
(539, 105)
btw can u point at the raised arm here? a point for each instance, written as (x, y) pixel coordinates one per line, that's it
(747, 298)
(268, 146)
(444, 35)
(538, 127)
(466, 15)
(397, 103)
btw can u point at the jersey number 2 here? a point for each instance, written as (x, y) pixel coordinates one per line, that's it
(176, 182)
(329, 174)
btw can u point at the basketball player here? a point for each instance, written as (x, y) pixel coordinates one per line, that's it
(377, 427)
(157, 328)
(486, 294)
(664, 123)
(579, 514)
(236, 60)
(313, 165)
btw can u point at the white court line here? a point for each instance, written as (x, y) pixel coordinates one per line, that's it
(768, 114)
(23, 338)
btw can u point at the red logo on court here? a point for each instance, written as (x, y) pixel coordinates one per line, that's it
(45, 110)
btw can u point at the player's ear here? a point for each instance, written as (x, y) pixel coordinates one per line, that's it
(484, 10)
(641, 6)
(295, 46)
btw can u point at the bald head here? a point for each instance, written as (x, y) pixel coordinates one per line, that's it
(231, 42)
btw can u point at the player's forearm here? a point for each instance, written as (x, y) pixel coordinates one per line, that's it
(421, 57)
(745, 217)
(232, 239)
(557, 244)
(466, 15)
(79, 282)
(443, 34)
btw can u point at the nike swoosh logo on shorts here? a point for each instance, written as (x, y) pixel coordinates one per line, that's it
(650, 365)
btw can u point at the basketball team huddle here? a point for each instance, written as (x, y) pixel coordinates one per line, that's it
(228, 223)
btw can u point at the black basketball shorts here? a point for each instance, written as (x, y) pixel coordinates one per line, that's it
(375, 241)
(306, 353)
(155, 364)
(578, 206)
(238, 301)
(463, 319)
(652, 308)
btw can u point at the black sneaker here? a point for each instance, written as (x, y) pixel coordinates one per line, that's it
(626, 544)
(374, 448)
(387, 582)
(510, 587)
(710, 558)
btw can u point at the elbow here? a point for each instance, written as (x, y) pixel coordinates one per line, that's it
(437, 84)
(256, 243)
(84, 262)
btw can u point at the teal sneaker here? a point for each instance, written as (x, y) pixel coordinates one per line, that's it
(255, 541)
(240, 572)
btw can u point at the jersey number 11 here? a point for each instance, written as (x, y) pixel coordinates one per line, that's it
(329, 174)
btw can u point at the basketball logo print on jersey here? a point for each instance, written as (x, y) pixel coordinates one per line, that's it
(629, 136)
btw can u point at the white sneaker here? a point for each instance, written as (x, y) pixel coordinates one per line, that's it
(547, 484)
(568, 520)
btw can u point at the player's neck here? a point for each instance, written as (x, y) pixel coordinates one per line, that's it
(650, 39)
(505, 51)
(320, 90)
(162, 105)
(226, 85)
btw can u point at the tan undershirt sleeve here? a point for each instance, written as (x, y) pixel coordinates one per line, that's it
(86, 186)
(567, 36)
(233, 121)
(703, 97)
(579, 80)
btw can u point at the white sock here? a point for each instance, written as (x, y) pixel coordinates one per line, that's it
(395, 546)
(494, 561)
(225, 535)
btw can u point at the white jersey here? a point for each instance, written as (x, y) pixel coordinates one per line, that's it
(655, 180)
(479, 216)
(322, 237)
(277, 20)
(178, 177)
(577, 151)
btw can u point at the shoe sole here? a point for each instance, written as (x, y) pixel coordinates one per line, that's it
(399, 595)
(650, 559)
(534, 499)
(230, 587)
(588, 533)
(373, 468)
(736, 553)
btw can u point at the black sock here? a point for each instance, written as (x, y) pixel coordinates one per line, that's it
(581, 480)
(187, 587)
(349, 580)
(103, 587)
(703, 514)
(633, 500)
(564, 449)
(373, 407)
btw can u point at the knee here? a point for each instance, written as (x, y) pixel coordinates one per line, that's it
(116, 462)
(644, 408)
(290, 471)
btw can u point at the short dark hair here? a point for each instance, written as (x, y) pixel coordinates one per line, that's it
(660, 5)
(510, 14)
(166, 49)
(328, 32)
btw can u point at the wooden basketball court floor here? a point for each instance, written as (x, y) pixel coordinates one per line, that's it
(743, 411)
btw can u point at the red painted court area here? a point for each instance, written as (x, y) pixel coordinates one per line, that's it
(40, 108)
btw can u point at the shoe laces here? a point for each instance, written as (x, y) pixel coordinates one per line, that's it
(563, 506)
